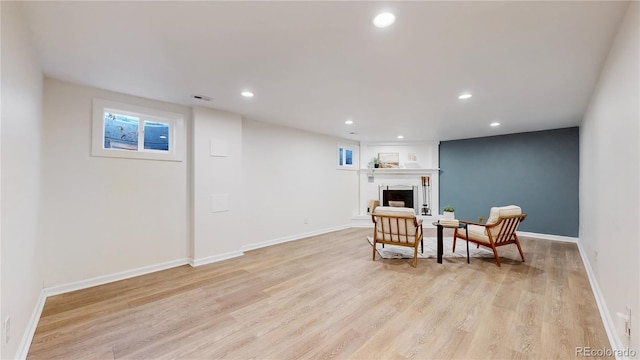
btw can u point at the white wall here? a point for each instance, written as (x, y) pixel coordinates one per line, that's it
(217, 233)
(609, 175)
(289, 175)
(22, 253)
(106, 215)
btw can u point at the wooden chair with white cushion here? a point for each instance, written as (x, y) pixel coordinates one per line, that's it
(397, 226)
(500, 229)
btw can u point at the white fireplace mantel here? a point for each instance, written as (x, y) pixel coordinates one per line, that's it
(399, 171)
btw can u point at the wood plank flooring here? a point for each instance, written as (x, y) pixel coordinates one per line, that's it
(323, 297)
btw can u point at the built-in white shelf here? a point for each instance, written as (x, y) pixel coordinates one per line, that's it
(398, 171)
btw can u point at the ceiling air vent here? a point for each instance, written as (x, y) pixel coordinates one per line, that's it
(202, 97)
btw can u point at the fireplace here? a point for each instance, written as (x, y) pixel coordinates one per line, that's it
(399, 195)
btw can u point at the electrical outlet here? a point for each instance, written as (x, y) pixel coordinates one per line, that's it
(7, 329)
(306, 220)
(624, 323)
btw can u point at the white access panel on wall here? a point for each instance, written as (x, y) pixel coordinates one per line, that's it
(219, 203)
(218, 148)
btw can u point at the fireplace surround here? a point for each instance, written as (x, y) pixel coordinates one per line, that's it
(373, 181)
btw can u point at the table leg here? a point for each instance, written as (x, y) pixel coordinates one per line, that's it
(466, 229)
(440, 246)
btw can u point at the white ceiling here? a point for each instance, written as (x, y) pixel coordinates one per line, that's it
(312, 65)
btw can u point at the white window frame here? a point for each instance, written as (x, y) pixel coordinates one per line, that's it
(174, 120)
(355, 156)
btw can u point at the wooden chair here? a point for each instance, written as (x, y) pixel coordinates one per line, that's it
(397, 226)
(500, 229)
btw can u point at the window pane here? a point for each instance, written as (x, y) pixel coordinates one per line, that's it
(120, 131)
(349, 157)
(156, 136)
(341, 156)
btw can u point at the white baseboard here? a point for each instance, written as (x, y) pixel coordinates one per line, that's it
(105, 279)
(548, 236)
(294, 237)
(362, 226)
(607, 321)
(215, 258)
(27, 337)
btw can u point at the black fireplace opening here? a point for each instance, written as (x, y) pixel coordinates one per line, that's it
(398, 195)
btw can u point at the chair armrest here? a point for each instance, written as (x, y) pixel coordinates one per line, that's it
(472, 223)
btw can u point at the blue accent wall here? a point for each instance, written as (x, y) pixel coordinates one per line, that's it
(537, 171)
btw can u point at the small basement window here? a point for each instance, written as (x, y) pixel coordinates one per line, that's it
(348, 157)
(129, 131)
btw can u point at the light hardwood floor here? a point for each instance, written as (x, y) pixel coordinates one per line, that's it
(323, 297)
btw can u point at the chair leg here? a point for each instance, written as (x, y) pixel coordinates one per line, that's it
(495, 254)
(415, 256)
(455, 236)
(421, 246)
(519, 248)
(374, 249)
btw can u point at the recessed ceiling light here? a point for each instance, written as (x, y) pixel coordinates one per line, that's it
(349, 122)
(247, 94)
(494, 124)
(464, 96)
(400, 137)
(383, 20)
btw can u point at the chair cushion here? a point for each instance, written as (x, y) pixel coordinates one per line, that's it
(498, 212)
(394, 211)
(373, 204)
(476, 233)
